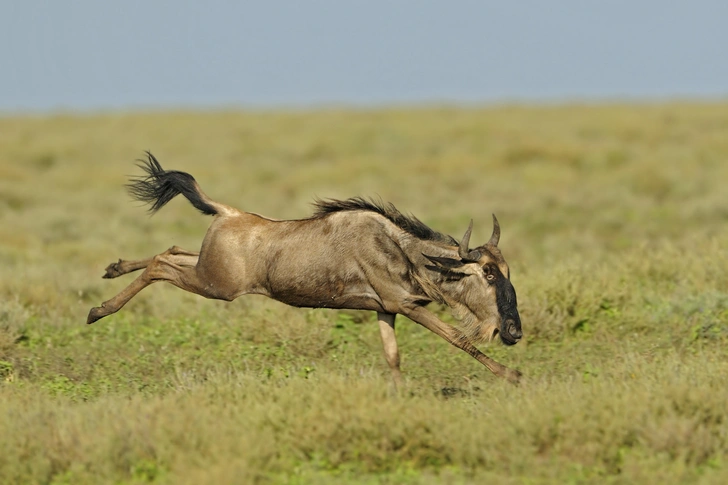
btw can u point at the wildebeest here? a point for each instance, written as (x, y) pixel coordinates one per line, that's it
(350, 254)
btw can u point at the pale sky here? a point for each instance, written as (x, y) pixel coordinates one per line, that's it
(88, 55)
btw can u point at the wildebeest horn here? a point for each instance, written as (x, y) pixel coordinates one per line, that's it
(465, 254)
(495, 237)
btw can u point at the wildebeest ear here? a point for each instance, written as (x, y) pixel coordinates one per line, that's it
(449, 274)
(449, 263)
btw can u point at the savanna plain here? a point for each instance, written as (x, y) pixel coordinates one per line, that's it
(614, 222)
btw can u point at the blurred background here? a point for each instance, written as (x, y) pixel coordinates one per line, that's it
(596, 131)
(84, 55)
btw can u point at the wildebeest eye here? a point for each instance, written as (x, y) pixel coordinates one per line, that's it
(490, 276)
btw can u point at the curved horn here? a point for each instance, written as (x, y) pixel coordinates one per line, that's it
(463, 252)
(495, 237)
(465, 241)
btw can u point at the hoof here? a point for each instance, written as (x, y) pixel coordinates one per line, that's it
(513, 376)
(95, 314)
(113, 270)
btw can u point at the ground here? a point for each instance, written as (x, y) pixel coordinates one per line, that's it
(614, 220)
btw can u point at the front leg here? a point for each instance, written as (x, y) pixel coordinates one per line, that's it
(459, 340)
(389, 342)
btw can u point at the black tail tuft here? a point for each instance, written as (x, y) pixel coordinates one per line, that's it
(160, 186)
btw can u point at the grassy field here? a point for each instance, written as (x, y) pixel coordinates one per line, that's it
(614, 220)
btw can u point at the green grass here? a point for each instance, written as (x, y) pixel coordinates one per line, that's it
(614, 220)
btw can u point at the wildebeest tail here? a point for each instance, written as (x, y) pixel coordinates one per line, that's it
(159, 186)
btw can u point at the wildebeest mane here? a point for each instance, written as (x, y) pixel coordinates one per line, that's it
(409, 224)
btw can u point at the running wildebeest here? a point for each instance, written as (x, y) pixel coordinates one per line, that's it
(351, 254)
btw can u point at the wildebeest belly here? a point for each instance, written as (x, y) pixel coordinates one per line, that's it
(317, 292)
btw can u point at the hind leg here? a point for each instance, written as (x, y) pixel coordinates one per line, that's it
(178, 269)
(123, 267)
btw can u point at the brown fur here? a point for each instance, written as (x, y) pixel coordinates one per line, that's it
(353, 254)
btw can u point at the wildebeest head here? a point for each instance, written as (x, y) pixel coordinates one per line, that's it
(476, 284)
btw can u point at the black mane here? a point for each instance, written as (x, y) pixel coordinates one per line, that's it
(409, 224)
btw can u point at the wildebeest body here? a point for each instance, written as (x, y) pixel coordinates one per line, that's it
(351, 254)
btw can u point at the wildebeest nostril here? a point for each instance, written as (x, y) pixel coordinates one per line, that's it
(514, 331)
